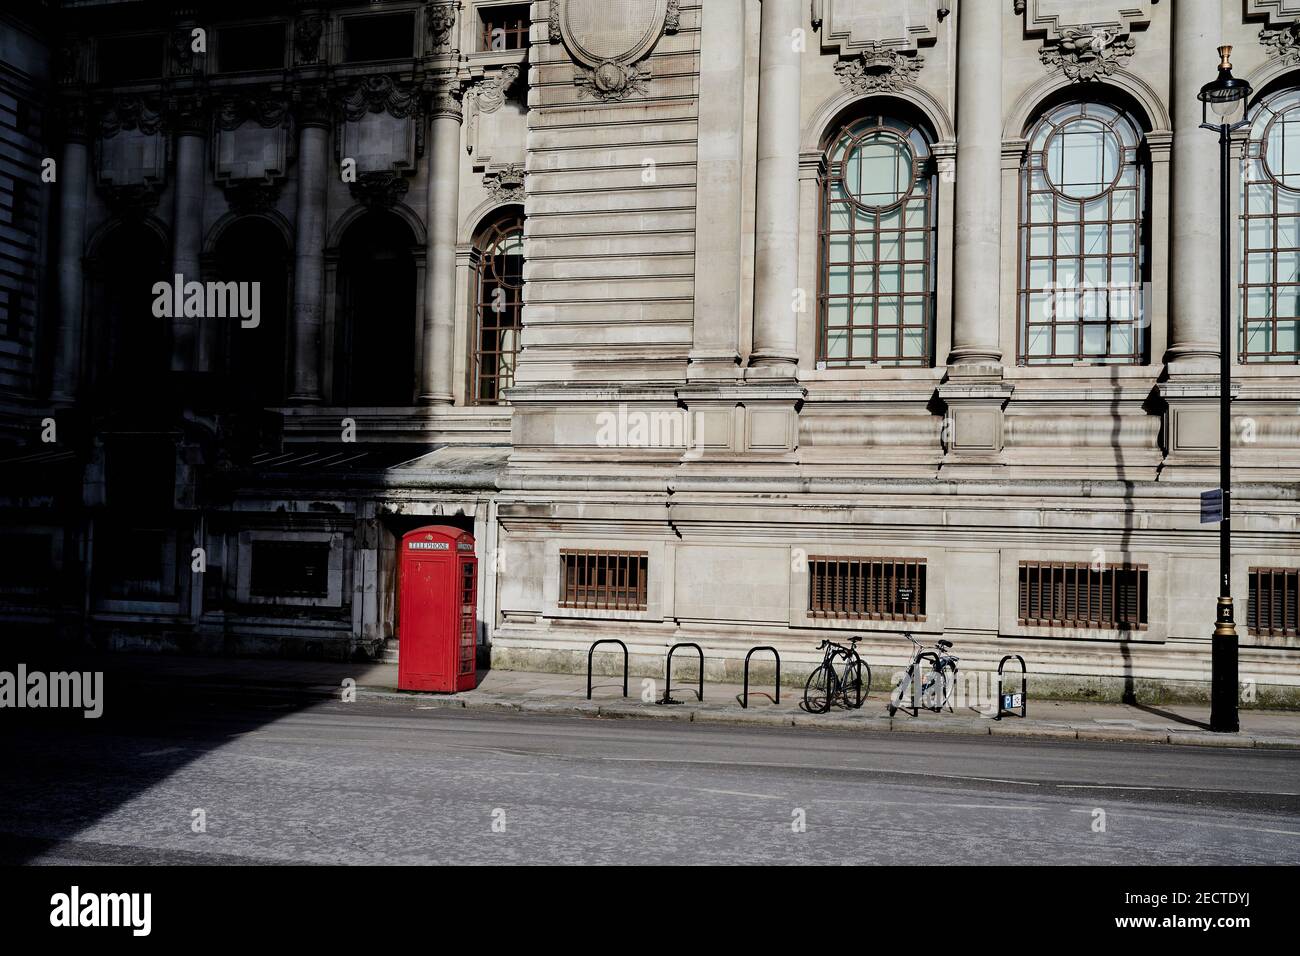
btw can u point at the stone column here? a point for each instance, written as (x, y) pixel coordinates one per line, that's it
(73, 170)
(187, 231)
(309, 250)
(776, 217)
(977, 220)
(715, 351)
(442, 218)
(1194, 221)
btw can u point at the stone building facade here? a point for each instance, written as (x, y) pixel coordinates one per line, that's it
(740, 322)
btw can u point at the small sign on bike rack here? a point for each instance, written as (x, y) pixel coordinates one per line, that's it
(1013, 701)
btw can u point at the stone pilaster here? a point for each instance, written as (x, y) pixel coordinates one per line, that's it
(715, 350)
(1193, 226)
(776, 219)
(309, 255)
(442, 217)
(73, 173)
(977, 221)
(189, 119)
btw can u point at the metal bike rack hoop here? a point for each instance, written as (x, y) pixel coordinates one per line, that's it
(752, 651)
(668, 674)
(592, 650)
(1024, 688)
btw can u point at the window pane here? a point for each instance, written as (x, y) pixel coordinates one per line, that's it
(1067, 339)
(1259, 267)
(1259, 233)
(888, 278)
(1095, 239)
(837, 280)
(1288, 232)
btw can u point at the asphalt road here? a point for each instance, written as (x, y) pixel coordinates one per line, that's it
(282, 780)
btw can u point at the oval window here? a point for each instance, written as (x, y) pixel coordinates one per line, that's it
(879, 169)
(1282, 149)
(1083, 158)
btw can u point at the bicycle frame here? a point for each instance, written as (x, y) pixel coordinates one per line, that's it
(938, 660)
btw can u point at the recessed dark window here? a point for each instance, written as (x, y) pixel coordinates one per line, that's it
(1079, 595)
(256, 47)
(290, 569)
(122, 59)
(134, 564)
(1273, 599)
(875, 589)
(604, 580)
(26, 561)
(503, 28)
(387, 37)
(140, 475)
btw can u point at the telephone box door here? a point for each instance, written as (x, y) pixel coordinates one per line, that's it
(438, 612)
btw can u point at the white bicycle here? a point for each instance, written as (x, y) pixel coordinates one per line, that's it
(935, 670)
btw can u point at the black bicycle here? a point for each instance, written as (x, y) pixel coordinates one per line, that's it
(847, 683)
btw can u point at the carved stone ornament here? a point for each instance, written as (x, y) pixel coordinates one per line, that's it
(607, 39)
(73, 114)
(879, 70)
(489, 94)
(307, 34)
(612, 81)
(267, 111)
(130, 113)
(183, 56)
(1282, 44)
(70, 61)
(132, 200)
(245, 196)
(1088, 53)
(506, 183)
(379, 190)
(378, 94)
(673, 18)
(440, 20)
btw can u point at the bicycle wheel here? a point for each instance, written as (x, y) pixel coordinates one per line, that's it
(857, 681)
(936, 690)
(820, 690)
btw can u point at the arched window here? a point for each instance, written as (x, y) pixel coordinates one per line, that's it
(130, 349)
(1270, 288)
(1082, 237)
(376, 344)
(876, 303)
(252, 250)
(498, 311)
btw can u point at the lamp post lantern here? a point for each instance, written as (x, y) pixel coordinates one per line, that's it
(1226, 97)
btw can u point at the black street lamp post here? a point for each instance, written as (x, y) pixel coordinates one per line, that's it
(1225, 96)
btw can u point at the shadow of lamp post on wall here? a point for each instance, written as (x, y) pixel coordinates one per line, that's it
(1226, 98)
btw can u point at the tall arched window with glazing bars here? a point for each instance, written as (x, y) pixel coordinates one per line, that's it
(876, 301)
(1083, 262)
(1270, 287)
(498, 311)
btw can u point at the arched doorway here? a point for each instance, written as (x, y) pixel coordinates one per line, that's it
(375, 345)
(129, 346)
(251, 249)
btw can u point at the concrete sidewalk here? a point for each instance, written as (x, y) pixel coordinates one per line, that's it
(565, 694)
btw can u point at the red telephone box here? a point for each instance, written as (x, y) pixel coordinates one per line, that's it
(438, 621)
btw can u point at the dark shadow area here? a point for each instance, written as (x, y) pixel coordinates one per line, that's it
(66, 772)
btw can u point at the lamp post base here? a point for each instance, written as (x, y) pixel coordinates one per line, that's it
(1223, 671)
